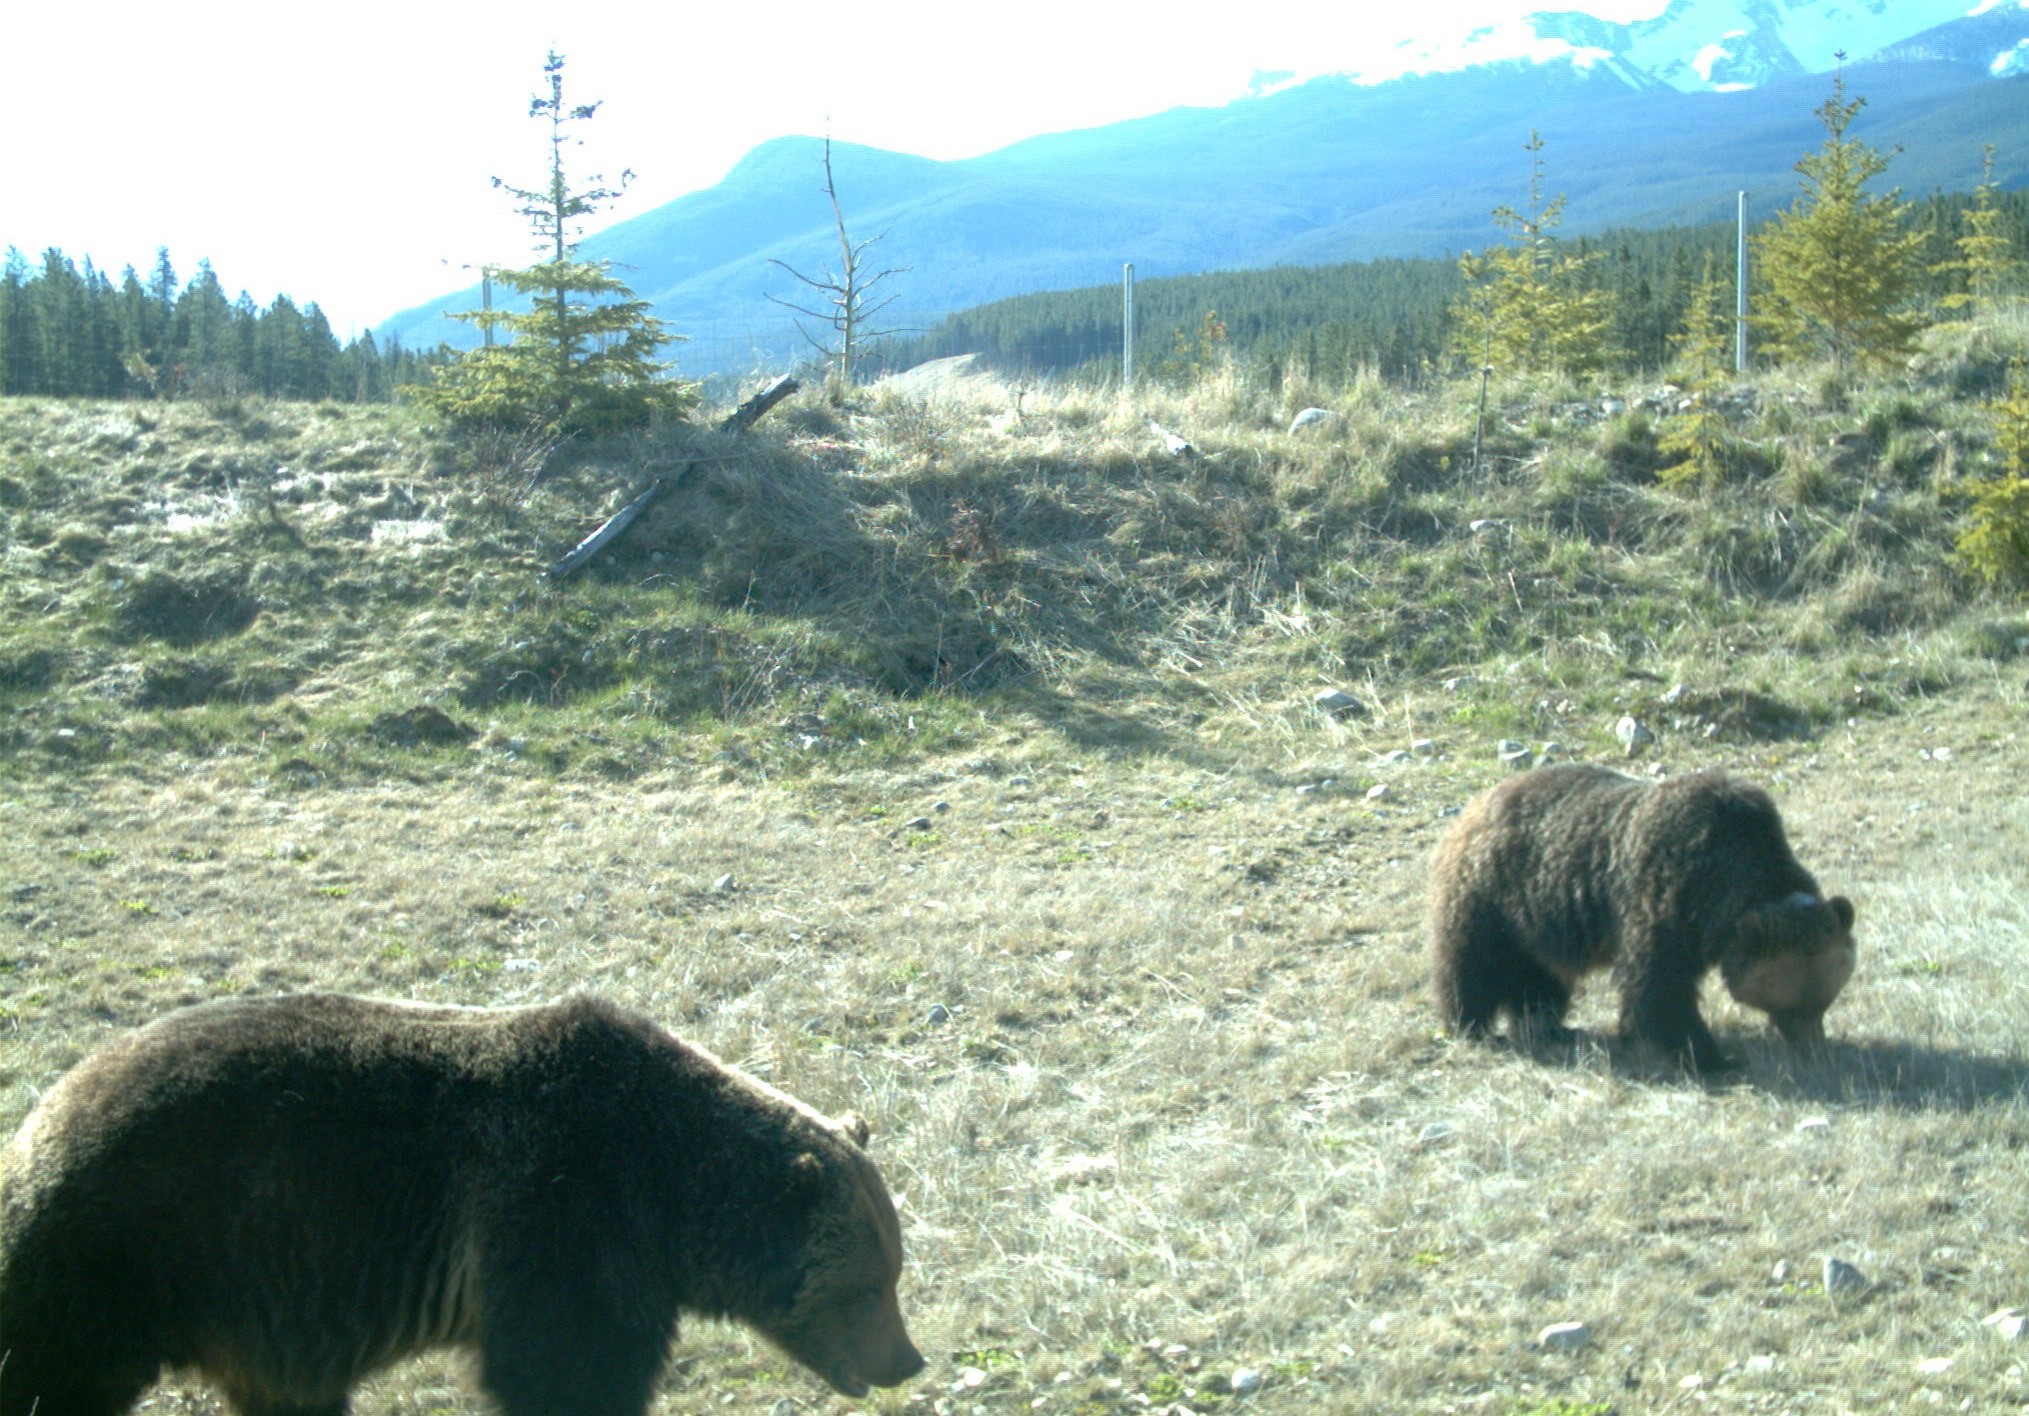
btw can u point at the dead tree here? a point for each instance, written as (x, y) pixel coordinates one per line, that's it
(845, 297)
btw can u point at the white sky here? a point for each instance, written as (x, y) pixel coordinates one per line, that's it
(342, 153)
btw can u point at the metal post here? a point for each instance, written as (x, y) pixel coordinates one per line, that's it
(1740, 294)
(1127, 327)
(486, 302)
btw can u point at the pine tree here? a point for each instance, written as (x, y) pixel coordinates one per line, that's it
(1995, 543)
(1986, 257)
(582, 357)
(1698, 443)
(1840, 267)
(1530, 305)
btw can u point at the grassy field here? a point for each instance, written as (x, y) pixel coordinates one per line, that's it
(957, 762)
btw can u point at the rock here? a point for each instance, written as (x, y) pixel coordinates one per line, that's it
(1310, 417)
(1459, 681)
(1564, 1337)
(1377, 791)
(723, 885)
(1486, 525)
(1436, 1133)
(1549, 751)
(1815, 1123)
(1842, 1277)
(939, 1013)
(969, 1379)
(1337, 703)
(1780, 1273)
(1514, 754)
(2009, 1323)
(1632, 734)
(1246, 1381)
(1934, 1366)
(1400, 754)
(941, 807)
(1424, 747)
(1315, 788)
(916, 823)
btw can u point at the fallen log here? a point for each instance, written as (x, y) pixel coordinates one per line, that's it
(749, 413)
(598, 541)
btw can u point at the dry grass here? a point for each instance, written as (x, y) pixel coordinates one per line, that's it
(1179, 1108)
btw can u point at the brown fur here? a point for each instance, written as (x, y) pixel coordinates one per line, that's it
(286, 1194)
(1566, 870)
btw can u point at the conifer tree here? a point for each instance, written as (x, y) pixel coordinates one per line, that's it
(1995, 543)
(582, 357)
(1698, 443)
(1840, 267)
(1531, 305)
(1986, 257)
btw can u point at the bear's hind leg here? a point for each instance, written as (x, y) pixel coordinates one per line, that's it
(1540, 1001)
(76, 1392)
(1474, 972)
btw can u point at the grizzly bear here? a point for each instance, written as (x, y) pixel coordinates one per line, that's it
(1566, 870)
(283, 1195)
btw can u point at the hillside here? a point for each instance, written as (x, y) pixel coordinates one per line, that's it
(1328, 171)
(958, 758)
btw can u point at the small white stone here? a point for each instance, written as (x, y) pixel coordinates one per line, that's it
(723, 884)
(1934, 1366)
(1815, 1123)
(1761, 1363)
(1246, 1380)
(1424, 747)
(969, 1379)
(1333, 700)
(2010, 1323)
(1375, 793)
(1564, 1337)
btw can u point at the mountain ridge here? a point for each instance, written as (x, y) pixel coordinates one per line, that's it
(1329, 170)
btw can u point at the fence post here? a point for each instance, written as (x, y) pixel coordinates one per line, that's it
(1127, 327)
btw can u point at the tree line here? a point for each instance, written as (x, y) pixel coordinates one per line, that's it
(1401, 317)
(70, 332)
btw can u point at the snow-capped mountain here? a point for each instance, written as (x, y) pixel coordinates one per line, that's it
(1702, 46)
(1655, 122)
(1725, 45)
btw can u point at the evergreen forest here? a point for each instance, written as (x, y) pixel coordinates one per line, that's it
(71, 332)
(1392, 317)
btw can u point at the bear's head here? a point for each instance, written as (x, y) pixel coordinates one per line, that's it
(1790, 959)
(841, 1316)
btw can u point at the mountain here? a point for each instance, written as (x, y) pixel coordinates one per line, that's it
(1657, 122)
(1722, 46)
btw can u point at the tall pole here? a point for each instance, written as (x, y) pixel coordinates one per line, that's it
(1127, 327)
(1740, 293)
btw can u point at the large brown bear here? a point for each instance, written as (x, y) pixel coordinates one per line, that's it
(1566, 870)
(286, 1194)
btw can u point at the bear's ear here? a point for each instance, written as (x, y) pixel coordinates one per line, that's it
(856, 1129)
(1843, 908)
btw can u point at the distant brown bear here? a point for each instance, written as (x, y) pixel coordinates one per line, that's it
(285, 1195)
(1566, 870)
